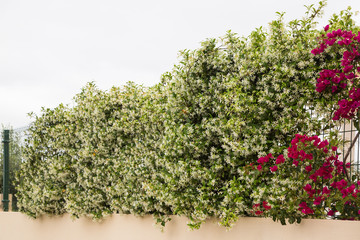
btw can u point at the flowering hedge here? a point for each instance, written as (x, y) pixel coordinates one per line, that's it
(327, 189)
(188, 145)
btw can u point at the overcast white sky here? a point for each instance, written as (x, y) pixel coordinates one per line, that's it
(49, 49)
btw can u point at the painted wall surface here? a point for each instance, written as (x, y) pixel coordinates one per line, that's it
(16, 226)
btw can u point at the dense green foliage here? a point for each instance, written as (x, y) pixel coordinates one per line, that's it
(182, 146)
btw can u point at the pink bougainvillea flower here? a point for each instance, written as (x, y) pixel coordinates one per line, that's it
(326, 28)
(302, 153)
(326, 190)
(341, 184)
(315, 51)
(323, 144)
(273, 168)
(259, 167)
(307, 187)
(313, 177)
(351, 188)
(347, 68)
(266, 206)
(265, 159)
(330, 213)
(258, 213)
(308, 168)
(305, 209)
(347, 41)
(303, 204)
(256, 205)
(338, 32)
(261, 160)
(280, 159)
(318, 200)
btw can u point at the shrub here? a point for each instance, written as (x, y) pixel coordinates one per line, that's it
(186, 145)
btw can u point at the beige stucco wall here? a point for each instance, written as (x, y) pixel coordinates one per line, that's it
(16, 226)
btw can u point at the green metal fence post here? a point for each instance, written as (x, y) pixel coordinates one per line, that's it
(6, 141)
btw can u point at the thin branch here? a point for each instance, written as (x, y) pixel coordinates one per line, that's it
(348, 153)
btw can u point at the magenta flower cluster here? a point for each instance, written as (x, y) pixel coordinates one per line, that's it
(305, 209)
(339, 80)
(327, 175)
(258, 209)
